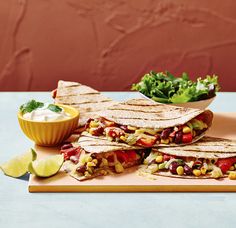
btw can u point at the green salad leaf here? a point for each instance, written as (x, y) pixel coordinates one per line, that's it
(166, 88)
(54, 108)
(30, 106)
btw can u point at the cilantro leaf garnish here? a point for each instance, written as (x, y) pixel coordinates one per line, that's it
(30, 106)
(54, 108)
(166, 88)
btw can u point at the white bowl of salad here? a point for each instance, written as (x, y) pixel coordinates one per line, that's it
(163, 87)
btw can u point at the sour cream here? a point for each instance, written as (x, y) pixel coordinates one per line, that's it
(46, 115)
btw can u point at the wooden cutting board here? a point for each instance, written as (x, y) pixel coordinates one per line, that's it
(224, 125)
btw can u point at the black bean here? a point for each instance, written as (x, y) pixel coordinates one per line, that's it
(81, 169)
(88, 122)
(125, 128)
(165, 133)
(74, 159)
(98, 131)
(173, 166)
(187, 170)
(66, 146)
(178, 137)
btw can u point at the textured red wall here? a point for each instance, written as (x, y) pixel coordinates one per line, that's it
(111, 44)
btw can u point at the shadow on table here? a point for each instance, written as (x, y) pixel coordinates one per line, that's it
(25, 177)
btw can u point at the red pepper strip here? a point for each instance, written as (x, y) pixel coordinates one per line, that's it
(187, 138)
(225, 163)
(122, 156)
(167, 157)
(132, 156)
(70, 152)
(126, 156)
(146, 142)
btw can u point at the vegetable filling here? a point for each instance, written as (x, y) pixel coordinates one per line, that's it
(189, 166)
(99, 164)
(147, 137)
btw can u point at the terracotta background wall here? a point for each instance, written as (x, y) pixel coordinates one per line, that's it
(111, 44)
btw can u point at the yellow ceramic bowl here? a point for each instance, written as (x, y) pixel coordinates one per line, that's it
(50, 133)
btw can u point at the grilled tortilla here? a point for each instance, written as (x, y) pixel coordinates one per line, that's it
(145, 123)
(92, 156)
(208, 158)
(88, 100)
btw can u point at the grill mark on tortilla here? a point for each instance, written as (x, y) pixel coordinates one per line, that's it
(70, 86)
(147, 111)
(204, 151)
(156, 105)
(76, 94)
(86, 102)
(141, 118)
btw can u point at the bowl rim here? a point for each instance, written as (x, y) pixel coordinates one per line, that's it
(20, 116)
(189, 102)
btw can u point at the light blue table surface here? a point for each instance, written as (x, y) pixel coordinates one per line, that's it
(19, 208)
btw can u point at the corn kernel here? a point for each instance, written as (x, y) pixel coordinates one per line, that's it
(186, 129)
(90, 170)
(95, 161)
(231, 168)
(159, 159)
(148, 130)
(165, 141)
(90, 164)
(145, 162)
(119, 168)
(131, 128)
(91, 131)
(88, 159)
(232, 175)
(104, 162)
(203, 170)
(197, 172)
(180, 170)
(123, 138)
(103, 172)
(87, 174)
(93, 124)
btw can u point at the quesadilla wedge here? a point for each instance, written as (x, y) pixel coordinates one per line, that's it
(88, 100)
(208, 158)
(145, 123)
(92, 156)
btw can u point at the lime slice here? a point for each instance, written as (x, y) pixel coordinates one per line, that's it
(46, 167)
(18, 166)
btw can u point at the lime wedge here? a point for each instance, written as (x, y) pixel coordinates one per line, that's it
(46, 167)
(18, 166)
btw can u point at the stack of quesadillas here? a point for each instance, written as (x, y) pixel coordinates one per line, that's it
(168, 140)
